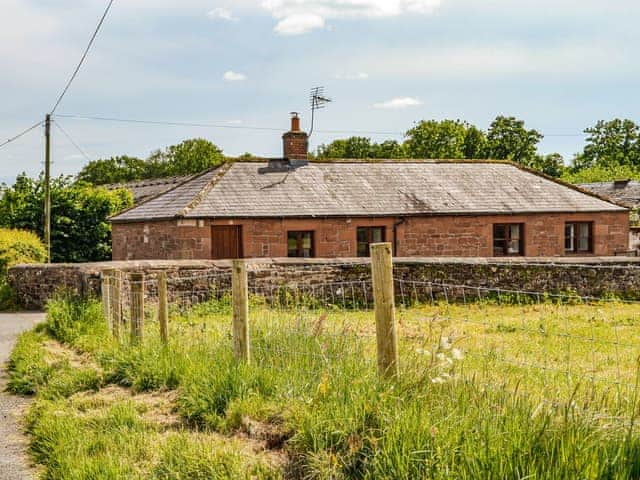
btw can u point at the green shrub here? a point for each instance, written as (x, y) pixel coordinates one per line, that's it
(69, 318)
(16, 246)
(19, 246)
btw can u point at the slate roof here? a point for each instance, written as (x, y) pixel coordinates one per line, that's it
(624, 192)
(143, 190)
(349, 188)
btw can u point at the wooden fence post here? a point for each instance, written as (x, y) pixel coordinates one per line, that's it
(163, 307)
(105, 290)
(383, 296)
(137, 306)
(240, 296)
(116, 303)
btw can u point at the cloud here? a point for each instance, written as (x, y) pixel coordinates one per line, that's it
(352, 76)
(232, 76)
(398, 103)
(221, 14)
(301, 16)
(298, 24)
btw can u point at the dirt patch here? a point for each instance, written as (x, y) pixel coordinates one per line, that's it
(57, 352)
(154, 407)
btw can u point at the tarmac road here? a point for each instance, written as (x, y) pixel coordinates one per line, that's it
(14, 463)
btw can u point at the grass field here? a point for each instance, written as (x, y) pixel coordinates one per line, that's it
(542, 391)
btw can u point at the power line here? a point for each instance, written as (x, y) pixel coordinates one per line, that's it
(247, 127)
(84, 56)
(210, 125)
(24, 132)
(64, 132)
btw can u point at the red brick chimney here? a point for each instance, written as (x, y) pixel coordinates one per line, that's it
(295, 142)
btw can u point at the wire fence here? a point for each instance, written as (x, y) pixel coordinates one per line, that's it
(563, 348)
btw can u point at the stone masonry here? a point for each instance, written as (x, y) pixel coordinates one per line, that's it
(594, 276)
(463, 236)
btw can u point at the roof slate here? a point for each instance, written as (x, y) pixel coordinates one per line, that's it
(366, 189)
(627, 193)
(143, 190)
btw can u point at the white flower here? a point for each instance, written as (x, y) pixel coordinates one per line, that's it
(438, 380)
(422, 351)
(457, 354)
(441, 357)
(445, 343)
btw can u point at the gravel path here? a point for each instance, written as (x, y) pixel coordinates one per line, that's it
(13, 458)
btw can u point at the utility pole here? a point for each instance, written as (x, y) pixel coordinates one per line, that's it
(47, 185)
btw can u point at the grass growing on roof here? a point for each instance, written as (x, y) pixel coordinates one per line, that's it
(486, 391)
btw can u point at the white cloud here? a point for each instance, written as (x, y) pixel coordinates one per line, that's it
(298, 24)
(352, 76)
(302, 16)
(221, 13)
(232, 76)
(398, 103)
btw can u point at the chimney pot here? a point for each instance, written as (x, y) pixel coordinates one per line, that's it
(295, 122)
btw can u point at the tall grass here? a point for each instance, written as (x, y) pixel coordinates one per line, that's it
(315, 394)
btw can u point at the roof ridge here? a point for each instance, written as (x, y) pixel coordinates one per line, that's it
(198, 197)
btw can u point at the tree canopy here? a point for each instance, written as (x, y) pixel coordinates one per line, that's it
(187, 158)
(80, 231)
(506, 139)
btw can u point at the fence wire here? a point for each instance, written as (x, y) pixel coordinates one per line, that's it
(547, 345)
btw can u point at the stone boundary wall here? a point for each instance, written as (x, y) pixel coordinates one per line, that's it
(593, 276)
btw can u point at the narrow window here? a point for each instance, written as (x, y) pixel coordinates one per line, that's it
(300, 244)
(367, 236)
(578, 237)
(508, 239)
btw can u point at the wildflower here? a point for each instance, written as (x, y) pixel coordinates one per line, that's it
(422, 351)
(441, 357)
(457, 354)
(323, 387)
(445, 343)
(438, 380)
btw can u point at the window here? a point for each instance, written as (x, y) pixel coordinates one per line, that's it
(367, 236)
(300, 244)
(578, 237)
(508, 239)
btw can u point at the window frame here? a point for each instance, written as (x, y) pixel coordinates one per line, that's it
(299, 243)
(369, 230)
(507, 240)
(575, 240)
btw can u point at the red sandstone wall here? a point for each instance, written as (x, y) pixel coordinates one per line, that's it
(425, 236)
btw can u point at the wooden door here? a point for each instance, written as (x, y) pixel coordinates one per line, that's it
(226, 242)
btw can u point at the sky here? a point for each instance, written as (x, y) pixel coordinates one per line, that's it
(559, 65)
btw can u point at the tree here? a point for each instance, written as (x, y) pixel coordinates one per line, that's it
(80, 231)
(508, 139)
(353, 147)
(552, 164)
(475, 143)
(602, 173)
(437, 139)
(187, 158)
(113, 170)
(616, 142)
(389, 149)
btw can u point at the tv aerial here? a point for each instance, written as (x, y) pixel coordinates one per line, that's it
(318, 101)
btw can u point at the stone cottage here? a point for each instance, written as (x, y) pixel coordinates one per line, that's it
(291, 207)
